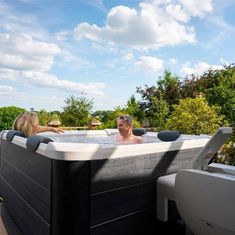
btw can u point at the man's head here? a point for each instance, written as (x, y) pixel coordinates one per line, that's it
(124, 124)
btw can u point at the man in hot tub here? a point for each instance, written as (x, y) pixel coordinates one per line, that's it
(125, 135)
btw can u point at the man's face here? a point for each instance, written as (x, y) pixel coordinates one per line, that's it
(123, 126)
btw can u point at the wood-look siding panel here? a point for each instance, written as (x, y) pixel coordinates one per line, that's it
(26, 219)
(33, 165)
(34, 194)
(135, 224)
(109, 174)
(117, 173)
(110, 205)
(70, 198)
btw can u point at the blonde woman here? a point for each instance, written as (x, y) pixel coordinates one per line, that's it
(28, 123)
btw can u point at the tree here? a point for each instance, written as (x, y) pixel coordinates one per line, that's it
(218, 87)
(195, 116)
(104, 115)
(190, 87)
(153, 105)
(54, 117)
(156, 102)
(8, 115)
(169, 86)
(111, 121)
(77, 111)
(158, 114)
(222, 90)
(43, 117)
(146, 96)
(133, 109)
(226, 155)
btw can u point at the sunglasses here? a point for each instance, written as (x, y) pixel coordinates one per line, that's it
(126, 118)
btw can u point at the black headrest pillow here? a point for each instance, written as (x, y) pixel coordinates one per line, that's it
(34, 141)
(10, 135)
(168, 135)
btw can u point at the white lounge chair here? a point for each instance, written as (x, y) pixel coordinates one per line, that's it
(166, 185)
(205, 201)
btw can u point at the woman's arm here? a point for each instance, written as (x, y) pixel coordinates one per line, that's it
(48, 128)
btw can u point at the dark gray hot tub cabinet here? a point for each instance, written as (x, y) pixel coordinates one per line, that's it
(45, 196)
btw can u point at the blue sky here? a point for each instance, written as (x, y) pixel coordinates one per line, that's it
(52, 49)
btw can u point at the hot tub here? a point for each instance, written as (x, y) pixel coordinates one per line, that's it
(83, 183)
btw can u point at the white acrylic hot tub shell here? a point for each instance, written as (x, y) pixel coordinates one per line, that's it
(91, 151)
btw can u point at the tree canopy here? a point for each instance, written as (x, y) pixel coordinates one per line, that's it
(8, 115)
(77, 111)
(195, 116)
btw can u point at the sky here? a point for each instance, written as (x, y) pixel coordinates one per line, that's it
(105, 49)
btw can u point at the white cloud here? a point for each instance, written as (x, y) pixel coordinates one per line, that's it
(46, 80)
(184, 10)
(87, 31)
(197, 8)
(150, 64)
(6, 89)
(12, 21)
(62, 36)
(177, 12)
(157, 24)
(10, 96)
(109, 102)
(199, 68)
(72, 59)
(22, 52)
(48, 99)
(24, 60)
(10, 93)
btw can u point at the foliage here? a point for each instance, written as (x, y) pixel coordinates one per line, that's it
(106, 118)
(157, 102)
(77, 111)
(43, 117)
(222, 90)
(218, 87)
(169, 86)
(189, 87)
(226, 155)
(195, 116)
(8, 115)
(134, 110)
(146, 97)
(158, 114)
(54, 117)
(111, 121)
(154, 107)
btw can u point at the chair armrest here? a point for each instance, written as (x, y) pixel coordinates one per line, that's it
(221, 168)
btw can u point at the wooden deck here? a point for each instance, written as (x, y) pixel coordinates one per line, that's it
(3, 230)
(7, 225)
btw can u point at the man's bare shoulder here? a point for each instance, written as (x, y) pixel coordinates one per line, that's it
(138, 139)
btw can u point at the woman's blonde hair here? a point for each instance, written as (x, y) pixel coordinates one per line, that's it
(26, 122)
(17, 121)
